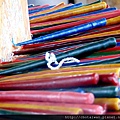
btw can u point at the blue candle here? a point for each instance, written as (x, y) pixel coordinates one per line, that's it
(66, 32)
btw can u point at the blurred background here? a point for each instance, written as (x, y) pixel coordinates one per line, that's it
(111, 3)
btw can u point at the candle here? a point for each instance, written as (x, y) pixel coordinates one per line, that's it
(50, 11)
(103, 29)
(59, 44)
(66, 32)
(104, 61)
(68, 7)
(79, 52)
(35, 107)
(45, 12)
(60, 73)
(108, 15)
(103, 92)
(97, 12)
(69, 13)
(50, 83)
(112, 103)
(87, 109)
(47, 96)
(109, 79)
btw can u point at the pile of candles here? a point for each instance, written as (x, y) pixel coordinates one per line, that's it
(71, 65)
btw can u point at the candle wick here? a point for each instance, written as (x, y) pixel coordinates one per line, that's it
(51, 58)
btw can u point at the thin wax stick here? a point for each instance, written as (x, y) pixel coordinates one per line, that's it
(95, 12)
(103, 92)
(41, 108)
(50, 83)
(80, 52)
(47, 96)
(69, 7)
(56, 22)
(87, 109)
(69, 13)
(71, 24)
(66, 32)
(61, 73)
(62, 43)
(59, 6)
(73, 39)
(109, 79)
(58, 10)
(112, 103)
(104, 61)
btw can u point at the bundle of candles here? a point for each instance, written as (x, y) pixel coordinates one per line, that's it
(71, 66)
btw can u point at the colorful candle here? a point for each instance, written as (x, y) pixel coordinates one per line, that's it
(109, 79)
(51, 11)
(41, 108)
(56, 45)
(87, 109)
(103, 92)
(47, 96)
(50, 83)
(66, 32)
(112, 103)
(69, 13)
(71, 24)
(81, 52)
(59, 6)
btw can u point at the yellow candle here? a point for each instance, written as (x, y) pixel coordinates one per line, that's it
(60, 73)
(112, 103)
(114, 20)
(33, 106)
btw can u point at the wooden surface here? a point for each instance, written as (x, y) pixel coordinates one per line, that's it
(14, 23)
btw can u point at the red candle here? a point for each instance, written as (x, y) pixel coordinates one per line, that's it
(47, 96)
(51, 82)
(109, 79)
